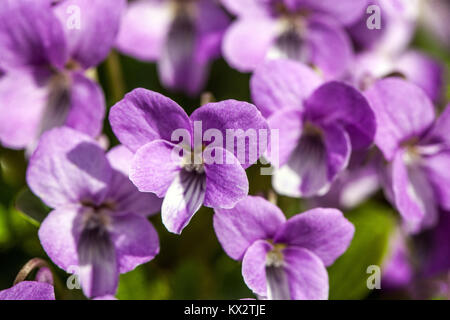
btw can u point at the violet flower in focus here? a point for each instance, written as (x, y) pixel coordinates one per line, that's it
(148, 123)
(44, 57)
(283, 259)
(183, 36)
(309, 31)
(99, 223)
(319, 125)
(418, 147)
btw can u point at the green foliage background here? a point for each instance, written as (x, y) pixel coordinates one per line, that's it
(193, 265)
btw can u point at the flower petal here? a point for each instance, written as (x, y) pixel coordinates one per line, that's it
(98, 263)
(30, 34)
(144, 116)
(328, 46)
(183, 199)
(244, 49)
(90, 42)
(346, 12)
(425, 72)
(226, 182)
(252, 219)
(61, 246)
(154, 167)
(289, 123)
(282, 84)
(135, 240)
(23, 97)
(29, 290)
(306, 274)
(68, 167)
(251, 8)
(325, 232)
(143, 29)
(437, 168)
(414, 196)
(314, 164)
(240, 124)
(123, 192)
(254, 266)
(402, 110)
(337, 102)
(87, 106)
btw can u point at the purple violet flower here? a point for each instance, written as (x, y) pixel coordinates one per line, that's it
(319, 125)
(98, 224)
(283, 259)
(182, 36)
(309, 31)
(418, 147)
(149, 124)
(44, 58)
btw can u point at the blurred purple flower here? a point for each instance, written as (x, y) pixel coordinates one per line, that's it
(415, 66)
(44, 60)
(319, 125)
(398, 20)
(309, 31)
(99, 219)
(182, 36)
(145, 122)
(29, 290)
(283, 259)
(418, 147)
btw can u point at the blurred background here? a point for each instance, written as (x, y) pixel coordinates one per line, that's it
(193, 265)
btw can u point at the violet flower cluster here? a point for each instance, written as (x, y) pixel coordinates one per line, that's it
(355, 110)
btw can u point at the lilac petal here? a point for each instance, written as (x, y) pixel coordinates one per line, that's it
(252, 219)
(181, 65)
(414, 196)
(403, 111)
(23, 97)
(241, 119)
(347, 12)
(68, 167)
(226, 182)
(211, 24)
(337, 102)
(439, 131)
(254, 266)
(249, 8)
(90, 42)
(244, 49)
(44, 274)
(425, 72)
(397, 268)
(143, 29)
(87, 106)
(61, 246)
(306, 273)
(438, 255)
(279, 84)
(277, 283)
(183, 199)
(437, 168)
(99, 274)
(144, 116)
(125, 195)
(325, 232)
(289, 123)
(135, 240)
(154, 168)
(314, 164)
(329, 47)
(29, 290)
(30, 35)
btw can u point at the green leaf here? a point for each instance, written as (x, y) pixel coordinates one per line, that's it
(32, 208)
(348, 275)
